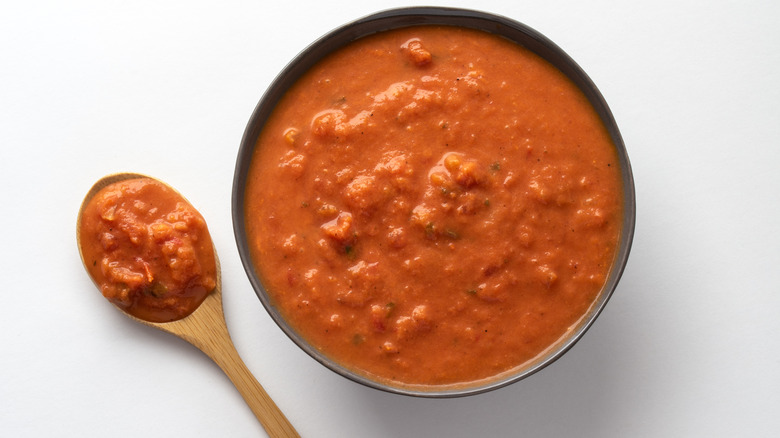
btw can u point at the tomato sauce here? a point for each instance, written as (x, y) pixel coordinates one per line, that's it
(148, 250)
(433, 206)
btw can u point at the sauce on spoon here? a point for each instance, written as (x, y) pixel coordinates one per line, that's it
(124, 224)
(148, 249)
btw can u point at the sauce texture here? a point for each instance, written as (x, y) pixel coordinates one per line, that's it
(148, 250)
(433, 206)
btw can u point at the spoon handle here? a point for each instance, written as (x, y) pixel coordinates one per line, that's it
(208, 332)
(264, 408)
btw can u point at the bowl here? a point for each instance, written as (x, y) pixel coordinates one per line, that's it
(404, 17)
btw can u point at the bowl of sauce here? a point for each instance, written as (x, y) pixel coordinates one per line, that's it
(433, 202)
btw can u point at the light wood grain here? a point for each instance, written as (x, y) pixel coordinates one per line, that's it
(206, 329)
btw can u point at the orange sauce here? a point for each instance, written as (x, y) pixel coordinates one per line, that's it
(148, 250)
(433, 206)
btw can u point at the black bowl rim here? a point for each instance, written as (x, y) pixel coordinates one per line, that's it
(414, 16)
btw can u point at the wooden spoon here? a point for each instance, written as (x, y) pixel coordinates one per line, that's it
(205, 328)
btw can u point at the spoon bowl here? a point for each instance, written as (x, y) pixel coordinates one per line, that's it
(206, 329)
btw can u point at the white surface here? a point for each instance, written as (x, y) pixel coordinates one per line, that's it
(688, 346)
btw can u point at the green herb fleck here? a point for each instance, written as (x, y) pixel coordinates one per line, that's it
(430, 230)
(156, 289)
(495, 167)
(358, 339)
(487, 202)
(471, 291)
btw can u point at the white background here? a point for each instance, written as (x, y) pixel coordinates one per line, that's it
(688, 345)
